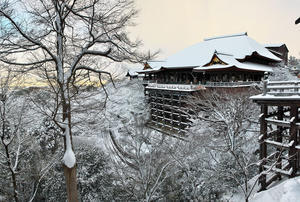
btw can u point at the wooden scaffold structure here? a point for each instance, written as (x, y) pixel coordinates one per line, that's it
(169, 113)
(279, 131)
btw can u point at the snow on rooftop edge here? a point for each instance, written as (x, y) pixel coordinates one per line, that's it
(226, 36)
(274, 97)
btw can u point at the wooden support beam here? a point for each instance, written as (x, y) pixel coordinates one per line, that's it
(281, 123)
(172, 109)
(293, 137)
(279, 145)
(263, 145)
(280, 113)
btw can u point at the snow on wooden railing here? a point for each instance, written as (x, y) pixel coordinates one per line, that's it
(231, 84)
(281, 88)
(179, 87)
(193, 87)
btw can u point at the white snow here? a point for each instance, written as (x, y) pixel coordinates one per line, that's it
(235, 47)
(226, 36)
(69, 158)
(287, 191)
(175, 87)
(232, 62)
(274, 97)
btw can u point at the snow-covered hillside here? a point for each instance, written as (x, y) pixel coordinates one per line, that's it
(125, 102)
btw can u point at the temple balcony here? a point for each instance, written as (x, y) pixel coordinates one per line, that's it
(232, 84)
(195, 87)
(175, 87)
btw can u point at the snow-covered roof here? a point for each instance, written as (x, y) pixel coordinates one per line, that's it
(132, 73)
(232, 62)
(155, 67)
(238, 46)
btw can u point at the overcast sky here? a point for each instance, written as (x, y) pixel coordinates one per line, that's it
(171, 25)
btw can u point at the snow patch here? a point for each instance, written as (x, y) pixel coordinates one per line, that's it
(287, 191)
(69, 158)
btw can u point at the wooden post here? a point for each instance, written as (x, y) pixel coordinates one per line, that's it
(293, 137)
(279, 139)
(263, 145)
(163, 111)
(180, 116)
(155, 107)
(172, 116)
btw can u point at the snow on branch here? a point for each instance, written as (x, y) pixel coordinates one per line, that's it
(23, 34)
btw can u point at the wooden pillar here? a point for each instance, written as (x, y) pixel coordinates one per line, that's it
(279, 139)
(263, 145)
(172, 110)
(156, 107)
(163, 110)
(293, 137)
(180, 107)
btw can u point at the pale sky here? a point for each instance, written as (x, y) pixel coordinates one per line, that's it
(171, 25)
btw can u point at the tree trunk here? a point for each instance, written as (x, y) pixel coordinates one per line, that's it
(70, 173)
(71, 183)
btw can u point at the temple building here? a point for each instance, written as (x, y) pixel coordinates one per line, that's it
(280, 50)
(232, 61)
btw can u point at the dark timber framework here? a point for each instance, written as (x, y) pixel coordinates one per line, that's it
(169, 113)
(279, 131)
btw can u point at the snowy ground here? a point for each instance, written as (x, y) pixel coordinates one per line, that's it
(282, 191)
(286, 191)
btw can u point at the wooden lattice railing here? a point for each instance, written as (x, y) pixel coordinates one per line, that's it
(231, 84)
(193, 87)
(281, 88)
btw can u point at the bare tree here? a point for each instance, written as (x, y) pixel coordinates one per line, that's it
(14, 140)
(8, 134)
(143, 162)
(63, 37)
(229, 138)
